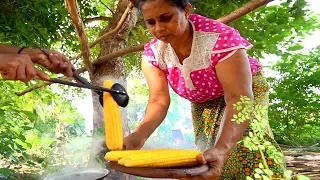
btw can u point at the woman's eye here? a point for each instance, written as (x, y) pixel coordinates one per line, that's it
(151, 22)
(165, 18)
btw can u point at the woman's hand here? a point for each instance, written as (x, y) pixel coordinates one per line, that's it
(134, 141)
(216, 159)
(19, 67)
(54, 62)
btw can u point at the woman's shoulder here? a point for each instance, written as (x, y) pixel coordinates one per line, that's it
(205, 24)
(228, 38)
(150, 43)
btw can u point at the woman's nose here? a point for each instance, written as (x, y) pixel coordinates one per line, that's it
(160, 27)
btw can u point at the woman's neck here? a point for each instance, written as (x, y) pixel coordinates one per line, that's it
(186, 39)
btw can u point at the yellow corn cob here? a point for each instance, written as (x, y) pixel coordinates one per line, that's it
(117, 155)
(112, 120)
(165, 158)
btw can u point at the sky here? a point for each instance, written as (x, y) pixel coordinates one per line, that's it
(84, 104)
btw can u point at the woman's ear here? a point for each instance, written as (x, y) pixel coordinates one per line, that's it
(188, 10)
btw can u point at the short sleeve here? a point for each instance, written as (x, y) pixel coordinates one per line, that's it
(148, 55)
(229, 41)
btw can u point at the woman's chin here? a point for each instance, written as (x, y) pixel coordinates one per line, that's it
(165, 39)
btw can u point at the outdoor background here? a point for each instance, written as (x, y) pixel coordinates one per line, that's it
(51, 129)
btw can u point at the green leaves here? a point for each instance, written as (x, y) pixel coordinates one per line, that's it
(249, 178)
(294, 108)
(39, 23)
(296, 47)
(259, 173)
(270, 27)
(22, 130)
(302, 177)
(244, 106)
(256, 139)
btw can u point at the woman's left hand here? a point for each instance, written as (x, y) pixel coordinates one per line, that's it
(215, 159)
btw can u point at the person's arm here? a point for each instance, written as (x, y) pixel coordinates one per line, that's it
(19, 67)
(8, 49)
(159, 100)
(236, 78)
(55, 62)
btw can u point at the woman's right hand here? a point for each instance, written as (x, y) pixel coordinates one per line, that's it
(134, 141)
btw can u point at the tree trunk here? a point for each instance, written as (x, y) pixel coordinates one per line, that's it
(112, 70)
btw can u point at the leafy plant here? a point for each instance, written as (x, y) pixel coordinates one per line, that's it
(256, 139)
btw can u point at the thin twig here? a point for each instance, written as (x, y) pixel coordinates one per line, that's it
(116, 29)
(47, 83)
(264, 161)
(245, 9)
(97, 18)
(73, 9)
(33, 88)
(106, 6)
(113, 31)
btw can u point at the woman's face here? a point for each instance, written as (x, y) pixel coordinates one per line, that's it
(165, 21)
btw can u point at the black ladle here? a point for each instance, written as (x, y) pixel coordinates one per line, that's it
(121, 99)
(117, 91)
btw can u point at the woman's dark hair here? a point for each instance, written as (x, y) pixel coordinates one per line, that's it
(181, 4)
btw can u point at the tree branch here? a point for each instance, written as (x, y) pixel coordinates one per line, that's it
(116, 29)
(106, 6)
(41, 85)
(73, 9)
(33, 88)
(113, 55)
(98, 18)
(245, 9)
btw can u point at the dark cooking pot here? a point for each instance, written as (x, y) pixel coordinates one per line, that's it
(81, 174)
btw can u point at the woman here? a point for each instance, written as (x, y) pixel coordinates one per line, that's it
(205, 62)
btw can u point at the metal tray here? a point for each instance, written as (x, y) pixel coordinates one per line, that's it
(81, 174)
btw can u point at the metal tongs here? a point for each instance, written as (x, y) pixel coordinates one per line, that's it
(117, 91)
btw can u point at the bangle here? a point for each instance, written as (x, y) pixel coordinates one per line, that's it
(21, 49)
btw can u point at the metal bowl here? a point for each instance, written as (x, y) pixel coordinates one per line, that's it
(81, 174)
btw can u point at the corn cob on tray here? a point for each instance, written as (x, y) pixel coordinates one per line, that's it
(156, 163)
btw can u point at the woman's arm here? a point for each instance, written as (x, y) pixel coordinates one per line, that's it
(236, 78)
(159, 100)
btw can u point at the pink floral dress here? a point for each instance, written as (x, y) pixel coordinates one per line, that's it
(195, 79)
